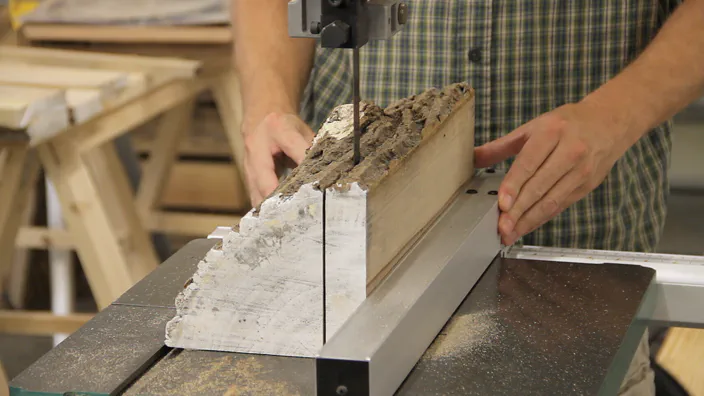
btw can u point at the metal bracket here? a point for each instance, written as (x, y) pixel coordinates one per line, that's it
(378, 346)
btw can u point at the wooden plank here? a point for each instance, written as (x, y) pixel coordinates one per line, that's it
(396, 205)
(373, 212)
(43, 238)
(274, 261)
(39, 112)
(83, 104)
(41, 323)
(122, 119)
(116, 194)
(18, 176)
(165, 65)
(131, 12)
(109, 83)
(18, 282)
(226, 91)
(87, 219)
(129, 34)
(156, 172)
(682, 355)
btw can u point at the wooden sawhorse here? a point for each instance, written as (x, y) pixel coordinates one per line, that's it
(61, 110)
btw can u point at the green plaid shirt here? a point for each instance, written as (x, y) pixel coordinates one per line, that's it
(523, 58)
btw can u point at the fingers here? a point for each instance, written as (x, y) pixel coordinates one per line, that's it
(532, 156)
(276, 134)
(568, 190)
(261, 171)
(500, 149)
(292, 142)
(254, 196)
(559, 162)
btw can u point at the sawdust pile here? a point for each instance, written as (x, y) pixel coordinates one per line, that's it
(388, 136)
(464, 335)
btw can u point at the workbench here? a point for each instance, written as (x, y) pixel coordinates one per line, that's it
(544, 325)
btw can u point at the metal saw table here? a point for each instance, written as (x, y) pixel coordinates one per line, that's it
(537, 321)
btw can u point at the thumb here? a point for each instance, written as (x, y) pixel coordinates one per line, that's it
(501, 149)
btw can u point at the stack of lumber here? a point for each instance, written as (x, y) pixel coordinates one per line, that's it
(131, 12)
(193, 29)
(39, 88)
(41, 99)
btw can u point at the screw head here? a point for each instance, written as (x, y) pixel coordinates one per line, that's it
(315, 27)
(341, 390)
(493, 192)
(471, 191)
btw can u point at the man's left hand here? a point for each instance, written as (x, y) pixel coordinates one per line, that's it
(560, 157)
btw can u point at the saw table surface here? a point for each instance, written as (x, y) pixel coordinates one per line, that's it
(527, 327)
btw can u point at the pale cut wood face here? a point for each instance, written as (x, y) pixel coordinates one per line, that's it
(296, 268)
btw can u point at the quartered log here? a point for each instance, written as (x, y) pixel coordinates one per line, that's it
(289, 275)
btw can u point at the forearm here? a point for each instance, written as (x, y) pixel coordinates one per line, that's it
(663, 80)
(273, 68)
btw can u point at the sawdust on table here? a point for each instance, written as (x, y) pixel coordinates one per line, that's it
(464, 335)
(249, 372)
(388, 136)
(215, 376)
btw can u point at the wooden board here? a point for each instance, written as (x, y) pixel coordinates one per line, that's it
(129, 34)
(107, 83)
(263, 290)
(42, 107)
(31, 110)
(131, 12)
(682, 355)
(157, 67)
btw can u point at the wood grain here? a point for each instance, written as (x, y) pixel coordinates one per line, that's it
(38, 112)
(263, 291)
(128, 63)
(130, 34)
(682, 355)
(108, 83)
(131, 12)
(40, 322)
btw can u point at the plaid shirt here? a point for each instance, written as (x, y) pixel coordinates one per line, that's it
(523, 58)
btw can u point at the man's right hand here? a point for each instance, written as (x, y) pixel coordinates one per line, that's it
(275, 138)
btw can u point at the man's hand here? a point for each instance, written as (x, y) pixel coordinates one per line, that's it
(560, 157)
(279, 136)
